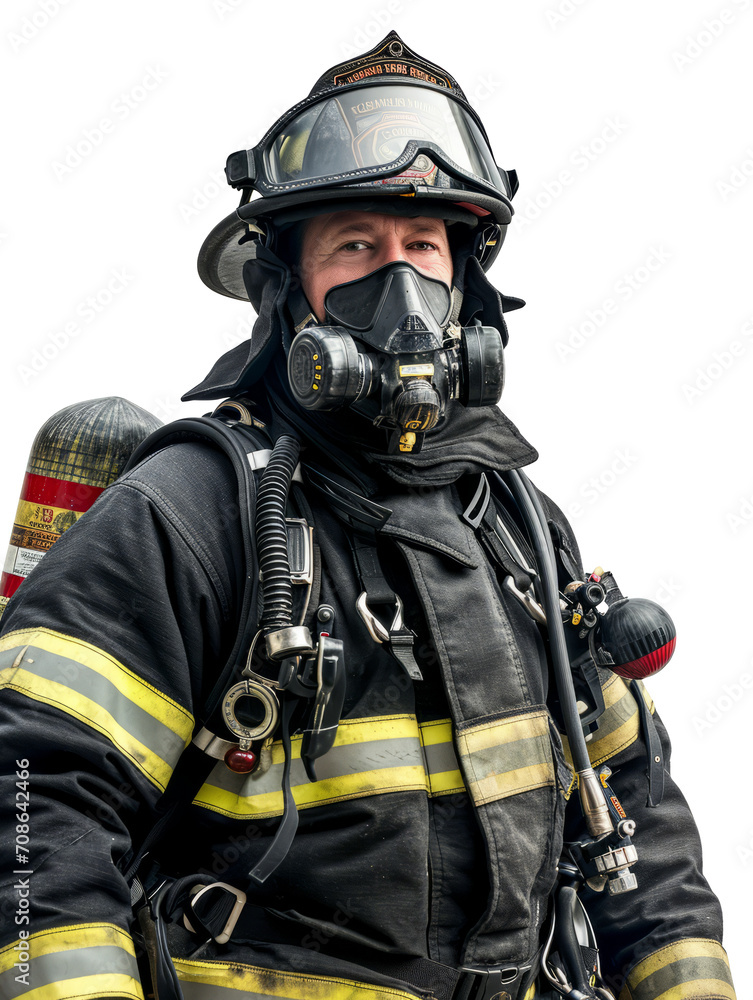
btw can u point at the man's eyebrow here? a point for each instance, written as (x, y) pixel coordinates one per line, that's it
(350, 227)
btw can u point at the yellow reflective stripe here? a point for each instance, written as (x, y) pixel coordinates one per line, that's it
(694, 967)
(314, 794)
(436, 731)
(393, 753)
(236, 981)
(446, 783)
(619, 724)
(99, 985)
(95, 960)
(507, 756)
(77, 678)
(369, 757)
(351, 732)
(443, 780)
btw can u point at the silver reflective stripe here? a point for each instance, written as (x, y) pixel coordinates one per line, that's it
(85, 682)
(137, 721)
(507, 756)
(510, 757)
(691, 967)
(619, 724)
(371, 756)
(441, 757)
(336, 763)
(47, 970)
(705, 976)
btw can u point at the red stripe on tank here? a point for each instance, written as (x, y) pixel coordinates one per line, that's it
(59, 492)
(10, 584)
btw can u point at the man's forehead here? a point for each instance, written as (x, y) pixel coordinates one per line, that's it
(345, 223)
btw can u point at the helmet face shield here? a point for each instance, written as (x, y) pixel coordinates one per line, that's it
(374, 133)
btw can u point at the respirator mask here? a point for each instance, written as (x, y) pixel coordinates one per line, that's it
(389, 351)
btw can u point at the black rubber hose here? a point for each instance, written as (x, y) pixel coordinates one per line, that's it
(272, 536)
(568, 946)
(530, 508)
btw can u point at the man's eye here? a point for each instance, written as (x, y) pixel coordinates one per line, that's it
(422, 245)
(355, 245)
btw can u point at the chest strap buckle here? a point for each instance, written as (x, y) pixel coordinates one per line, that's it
(399, 638)
(499, 982)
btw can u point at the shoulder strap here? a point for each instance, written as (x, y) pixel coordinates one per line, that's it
(247, 449)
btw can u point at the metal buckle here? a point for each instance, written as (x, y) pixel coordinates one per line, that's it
(533, 608)
(229, 926)
(377, 631)
(501, 982)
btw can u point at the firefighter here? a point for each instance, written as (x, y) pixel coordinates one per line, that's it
(386, 793)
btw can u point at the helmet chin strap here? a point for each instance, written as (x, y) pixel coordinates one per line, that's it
(299, 307)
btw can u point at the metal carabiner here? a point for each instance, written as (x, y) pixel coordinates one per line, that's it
(533, 608)
(377, 631)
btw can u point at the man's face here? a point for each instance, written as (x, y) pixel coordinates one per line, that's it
(344, 246)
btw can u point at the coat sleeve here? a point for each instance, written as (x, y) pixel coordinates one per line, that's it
(102, 658)
(663, 939)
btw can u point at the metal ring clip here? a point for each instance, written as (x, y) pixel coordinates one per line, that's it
(261, 693)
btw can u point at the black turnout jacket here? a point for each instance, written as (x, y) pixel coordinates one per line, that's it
(435, 822)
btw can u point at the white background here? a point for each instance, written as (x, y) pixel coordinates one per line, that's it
(630, 127)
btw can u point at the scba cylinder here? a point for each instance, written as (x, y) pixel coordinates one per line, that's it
(76, 454)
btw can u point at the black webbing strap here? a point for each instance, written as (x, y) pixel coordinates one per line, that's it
(399, 639)
(654, 752)
(283, 838)
(370, 571)
(194, 766)
(498, 548)
(488, 517)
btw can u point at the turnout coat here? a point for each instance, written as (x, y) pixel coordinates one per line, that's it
(435, 823)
